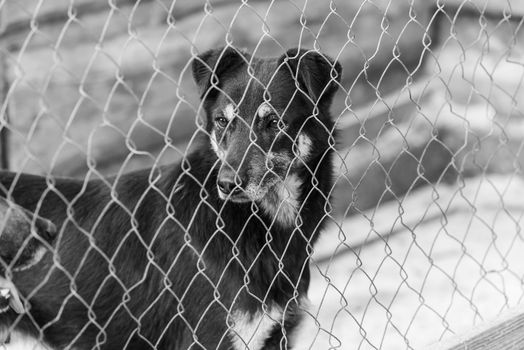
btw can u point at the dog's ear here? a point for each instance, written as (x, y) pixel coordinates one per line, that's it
(211, 66)
(317, 75)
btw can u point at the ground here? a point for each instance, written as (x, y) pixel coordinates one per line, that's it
(442, 260)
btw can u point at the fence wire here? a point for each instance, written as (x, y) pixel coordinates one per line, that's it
(423, 234)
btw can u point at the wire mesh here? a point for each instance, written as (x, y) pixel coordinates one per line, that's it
(423, 234)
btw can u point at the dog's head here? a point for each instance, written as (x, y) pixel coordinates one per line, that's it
(266, 118)
(22, 236)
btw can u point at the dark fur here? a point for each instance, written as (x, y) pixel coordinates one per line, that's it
(160, 259)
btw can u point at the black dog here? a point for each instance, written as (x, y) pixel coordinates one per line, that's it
(22, 245)
(211, 253)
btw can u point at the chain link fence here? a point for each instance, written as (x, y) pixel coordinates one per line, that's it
(424, 240)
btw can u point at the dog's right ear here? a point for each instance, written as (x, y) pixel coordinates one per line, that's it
(317, 75)
(211, 67)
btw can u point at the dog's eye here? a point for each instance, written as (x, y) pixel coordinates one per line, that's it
(273, 123)
(221, 121)
(276, 123)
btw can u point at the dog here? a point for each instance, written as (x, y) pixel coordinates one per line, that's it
(24, 239)
(209, 253)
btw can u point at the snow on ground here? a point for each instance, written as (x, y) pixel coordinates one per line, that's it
(442, 260)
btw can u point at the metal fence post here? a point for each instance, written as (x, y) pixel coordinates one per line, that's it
(4, 88)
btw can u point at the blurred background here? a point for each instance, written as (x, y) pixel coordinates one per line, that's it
(425, 236)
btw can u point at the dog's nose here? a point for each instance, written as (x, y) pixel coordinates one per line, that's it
(228, 183)
(45, 229)
(229, 187)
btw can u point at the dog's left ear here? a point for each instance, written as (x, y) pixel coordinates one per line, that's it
(212, 67)
(316, 74)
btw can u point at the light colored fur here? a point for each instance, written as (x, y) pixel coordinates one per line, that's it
(264, 110)
(216, 147)
(282, 202)
(21, 341)
(304, 146)
(229, 112)
(249, 332)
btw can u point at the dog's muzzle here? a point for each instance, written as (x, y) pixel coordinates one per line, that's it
(231, 187)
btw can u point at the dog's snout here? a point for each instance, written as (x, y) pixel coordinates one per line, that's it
(229, 182)
(46, 229)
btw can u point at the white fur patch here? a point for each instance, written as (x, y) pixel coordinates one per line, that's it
(282, 201)
(251, 331)
(264, 110)
(21, 341)
(304, 146)
(214, 144)
(229, 112)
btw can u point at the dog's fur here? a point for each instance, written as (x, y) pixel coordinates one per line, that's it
(164, 258)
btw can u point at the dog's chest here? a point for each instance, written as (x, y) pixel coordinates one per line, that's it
(250, 331)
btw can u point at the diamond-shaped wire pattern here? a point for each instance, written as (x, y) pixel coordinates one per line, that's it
(423, 231)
